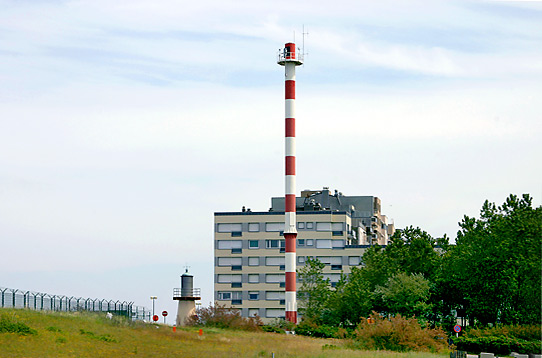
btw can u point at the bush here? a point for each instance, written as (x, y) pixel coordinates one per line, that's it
(310, 328)
(398, 334)
(501, 340)
(9, 325)
(221, 316)
(279, 325)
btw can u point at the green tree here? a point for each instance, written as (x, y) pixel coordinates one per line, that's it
(494, 271)
(350, 300)
(314, 291)
(414, 251)
(405, 294)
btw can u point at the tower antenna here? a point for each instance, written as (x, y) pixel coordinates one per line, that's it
(303, 43)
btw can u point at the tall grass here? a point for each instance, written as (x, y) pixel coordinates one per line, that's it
(92, 335)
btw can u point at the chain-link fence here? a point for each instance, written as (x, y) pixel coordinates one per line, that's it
(15, 298)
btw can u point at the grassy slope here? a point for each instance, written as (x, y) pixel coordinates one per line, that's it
(59, 335)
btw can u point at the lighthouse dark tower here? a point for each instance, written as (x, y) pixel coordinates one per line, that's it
(187, 296)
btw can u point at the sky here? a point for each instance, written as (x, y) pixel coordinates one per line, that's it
(125, 125)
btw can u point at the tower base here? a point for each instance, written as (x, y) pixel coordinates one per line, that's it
(185, 309)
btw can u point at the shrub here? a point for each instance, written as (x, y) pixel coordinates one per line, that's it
(310, 328)
(279, 325)
(398, 334)
(221, 316)
(501, 339)
(9, 325)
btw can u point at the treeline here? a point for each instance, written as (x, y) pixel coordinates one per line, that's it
(491, 275)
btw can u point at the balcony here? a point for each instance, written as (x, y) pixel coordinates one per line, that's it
(186, 294)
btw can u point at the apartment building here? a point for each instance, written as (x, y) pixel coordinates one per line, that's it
(249, 246)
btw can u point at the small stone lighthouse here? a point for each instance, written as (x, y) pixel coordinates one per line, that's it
(187, 296)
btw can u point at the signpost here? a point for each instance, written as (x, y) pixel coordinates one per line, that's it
(457, 329)
(164, 313)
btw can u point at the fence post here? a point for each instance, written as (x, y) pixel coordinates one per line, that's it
(13, 292)
(4, 290)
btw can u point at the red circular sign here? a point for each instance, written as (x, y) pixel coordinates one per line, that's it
(164, 313)
(155, 318)
(457, 328)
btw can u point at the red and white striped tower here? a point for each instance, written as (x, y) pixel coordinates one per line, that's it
(287, 58)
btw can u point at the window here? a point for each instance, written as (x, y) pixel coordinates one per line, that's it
(354, 260)
(253, 244)
(323, 226)
(236, 295)
(274, 227)
(224, 278)
(300, 242)
(323, 244)
(337, 227)
(324, 259)
(229, 261)
(253, 312)
(222, 296)
(253, 278)
(337, 244)
(254, 261)
(254, 227)
(310, 242)
(229, 244)
(333, 277)
(274, 260)
(301, 225)
(275, 295)
(274, 278)
(330, 260)
(229, 227)
(274, 312)
(253, 295)
(301, 260)
(310, 225)
(274, 244)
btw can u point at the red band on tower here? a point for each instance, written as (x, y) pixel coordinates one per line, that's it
(290, 281)
(290, 165)
(289, 203)
(290, 89)
(290, 127)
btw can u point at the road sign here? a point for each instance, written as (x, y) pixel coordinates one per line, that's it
(155, 318)
(164, 313)
(457, 328)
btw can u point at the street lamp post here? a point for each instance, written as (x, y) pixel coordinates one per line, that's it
(153, 298)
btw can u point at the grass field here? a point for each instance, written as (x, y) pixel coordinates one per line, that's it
(82, 334)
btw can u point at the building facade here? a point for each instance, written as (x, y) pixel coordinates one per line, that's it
(249, 246)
